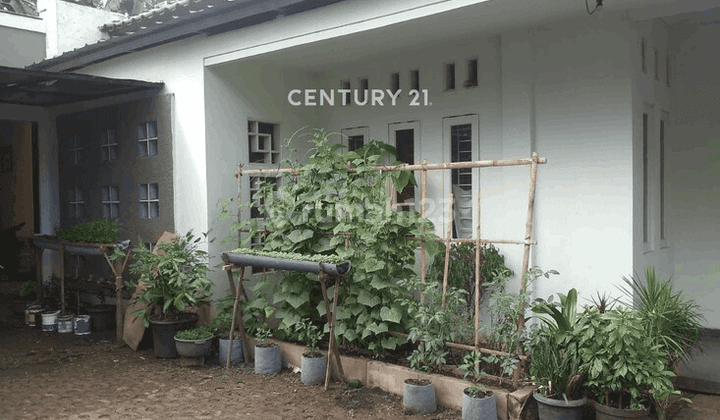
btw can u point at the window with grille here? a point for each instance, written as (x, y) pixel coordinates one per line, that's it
(147, 138)
(76, 203)
(110, 202)
(405, 136)
(356, 137)
(263, 146)
(76, 149)
(109, 145)
(148, 201)
(461, 151)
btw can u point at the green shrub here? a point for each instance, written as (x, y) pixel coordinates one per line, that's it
(97, 231)
(200, 332)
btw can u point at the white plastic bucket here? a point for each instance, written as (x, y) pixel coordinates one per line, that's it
(49, 321)
(81, 324)
(65, 323)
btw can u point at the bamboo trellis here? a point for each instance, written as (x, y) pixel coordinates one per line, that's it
(424, 167)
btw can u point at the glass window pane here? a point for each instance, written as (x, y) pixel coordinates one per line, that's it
(143, 192)
(105, 153)
(153, 147)
(141, 132)
(105, 194)
(113, 153)
(153, 192)
(143, 210)
(114, 210)
(106, 211)
(154, 210)
(142, 148)
(114, 194)
(152, 129)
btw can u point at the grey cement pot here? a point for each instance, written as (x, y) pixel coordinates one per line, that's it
(419, 398)
(267, 359)
(313, 369)
(474, 408)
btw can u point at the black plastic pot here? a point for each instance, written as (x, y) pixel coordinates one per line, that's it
(164, 334)
(604, 412)
(102, 317)
(552, 409)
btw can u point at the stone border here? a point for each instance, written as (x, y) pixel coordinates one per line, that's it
(391, 378)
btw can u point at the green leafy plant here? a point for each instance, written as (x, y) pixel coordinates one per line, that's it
(336, 204)
(200, 332)
(262, 335)
(433, 325)
(27, 288)
(175, 278)
(310, 334)
(669, 317)
(623, 366)
(96, 231)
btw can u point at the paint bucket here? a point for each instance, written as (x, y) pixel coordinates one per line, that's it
(65, 323)
(81, 324)
(49, 320)
(32, 315)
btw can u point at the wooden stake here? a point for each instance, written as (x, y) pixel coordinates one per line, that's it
(237, 317)
(448, 246)
(423, 203)
(330, 315)
(62, 277)
(528, 235)
(478, 251)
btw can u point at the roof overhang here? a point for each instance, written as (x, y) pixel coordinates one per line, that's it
(45, 88)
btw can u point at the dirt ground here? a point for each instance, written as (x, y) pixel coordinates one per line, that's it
(63, 376)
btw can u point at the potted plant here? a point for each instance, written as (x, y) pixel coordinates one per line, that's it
(195, 341)
(478, 402)
(555, 365)
(625, 370)
(175, 277)
(267, 353)
(314, 362)
(222, 323)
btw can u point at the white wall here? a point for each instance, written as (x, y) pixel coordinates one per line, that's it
(23, 39)
(694, 165)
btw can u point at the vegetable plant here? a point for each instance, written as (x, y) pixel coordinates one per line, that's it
(311, 335)
(200, 332)
(336, 206)
(176, 277)
(97, 231)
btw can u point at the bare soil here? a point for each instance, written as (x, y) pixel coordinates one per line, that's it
(47, 375)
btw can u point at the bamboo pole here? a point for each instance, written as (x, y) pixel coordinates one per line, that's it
(62, 277)
(117, 268)
(528, 235)
(423, 202)
(448, 235)
(423, 166)
(478, 251)
(393, 195)
(470, 348)
(239, 318)
(333, 352)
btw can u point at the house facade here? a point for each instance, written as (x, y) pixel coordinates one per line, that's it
(622, 103)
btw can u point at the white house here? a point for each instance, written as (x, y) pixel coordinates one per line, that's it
(622, 103)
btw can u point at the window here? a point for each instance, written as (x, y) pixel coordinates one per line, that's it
(657, 65)
(76, 149)
(361, 95)
(109, 145)
(149, 201)
(461, 137)
(406, 137)
(450, 76)
(347, 96)
(646, 192)
(663, 219)
(643, 61)
(262, 143)
(147, 139)
(355, 138)
(472, 79)
(395, 82)
(76, 203)
(414, 79)
(110, 202)
(256, 183)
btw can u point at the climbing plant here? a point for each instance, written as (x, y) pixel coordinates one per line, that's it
(337, 204)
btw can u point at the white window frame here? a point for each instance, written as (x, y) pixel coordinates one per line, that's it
(265, 147)
(75, 149)
(147, 202)
(355, 131)
(144, 142)
(109, 146)
(76, 202)
(448, 123)
(113, 205)
(648, 209)
(662, 179)
(409, 125)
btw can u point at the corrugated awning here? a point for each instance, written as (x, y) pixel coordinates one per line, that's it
(44, 88)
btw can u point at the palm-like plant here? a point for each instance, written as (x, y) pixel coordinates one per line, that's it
(668, 316)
